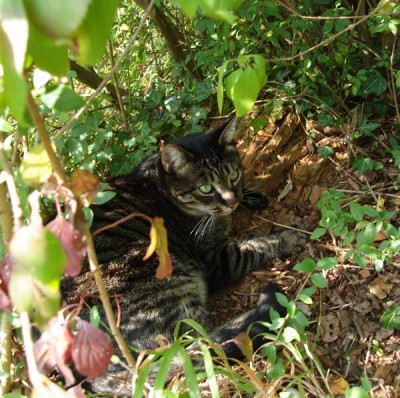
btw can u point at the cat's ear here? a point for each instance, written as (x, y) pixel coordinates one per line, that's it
(228, 136)
(174, 158)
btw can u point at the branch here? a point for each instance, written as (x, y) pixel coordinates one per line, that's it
(111, 73)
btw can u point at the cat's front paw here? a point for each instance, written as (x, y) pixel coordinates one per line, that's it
(292, 242)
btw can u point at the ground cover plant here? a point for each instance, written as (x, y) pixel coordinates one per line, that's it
(88, 89)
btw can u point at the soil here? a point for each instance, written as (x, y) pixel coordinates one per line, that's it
(281, 160)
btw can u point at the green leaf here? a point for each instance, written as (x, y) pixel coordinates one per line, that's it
(375, 85)
(363, 165)
(349, 237)
(391, 318)
(103, 197)
(220, 9)
(36, 167)
(94, 316)
(220, 89)
(306, 299)
(39, 253)
(94, 32)
(356, 211)
(327, 263)
(62, 98)
(189, 7)
(29, 294)
(356, 392)
(270, 352)
(13, 43)
(47, 54)
(318, 232)
(319, 281)
(282, 299)
(57, 18)
(307, 265)
(291, 309)
(245, 90)
(289, 334)
(277, 371)
(325, 151)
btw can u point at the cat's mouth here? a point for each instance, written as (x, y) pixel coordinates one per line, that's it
(224, 210)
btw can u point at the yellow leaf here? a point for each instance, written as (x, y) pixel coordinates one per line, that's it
(159, 243)
(243, 341)
(36, 167)
(338, 386)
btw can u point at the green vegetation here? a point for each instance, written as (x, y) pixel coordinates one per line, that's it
(97, 85)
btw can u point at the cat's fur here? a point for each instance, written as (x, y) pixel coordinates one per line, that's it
(174, 185)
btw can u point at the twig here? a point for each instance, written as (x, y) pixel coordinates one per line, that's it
(117, 90)
(282, 225)
(369, 192)
(111, 73)
(332, 38)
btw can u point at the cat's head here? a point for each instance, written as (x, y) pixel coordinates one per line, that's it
(203, 172)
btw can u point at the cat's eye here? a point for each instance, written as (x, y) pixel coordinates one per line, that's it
(206, 189)
(234, 176)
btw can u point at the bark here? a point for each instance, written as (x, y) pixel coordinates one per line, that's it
(93, 80)
(174, 39)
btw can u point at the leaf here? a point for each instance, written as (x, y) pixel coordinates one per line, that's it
(71, 242)
(39, 253)
(84, 185)
(319, 281)
(62, 98)
(220, 89)
(327, 263)
(356, 392)
(318, 232)
(36, 166)
(289, 334)
(91, 350)
(244, 343)
(363, 165)
(94, 32)
(159, 242)
(47, 54)
(325, 151)
(103, 197)
(338, 386)
(357, 211)
(57, 18)
(54, 348)
(245, 91)
(391, 318)
(13, 43)
(307, 265)
(33, 296)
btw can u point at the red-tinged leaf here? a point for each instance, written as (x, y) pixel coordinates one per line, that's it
(84, 185)
(159, 242)
(91, 350)
(76, 392)
(54, 348)
(72, 243)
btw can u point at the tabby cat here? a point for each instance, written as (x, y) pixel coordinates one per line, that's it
(195, 185)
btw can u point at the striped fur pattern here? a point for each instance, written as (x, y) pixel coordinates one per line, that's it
(195, 185)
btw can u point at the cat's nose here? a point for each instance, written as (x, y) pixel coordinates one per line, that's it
(229, 199)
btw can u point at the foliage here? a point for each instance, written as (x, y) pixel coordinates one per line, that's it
(321, 58)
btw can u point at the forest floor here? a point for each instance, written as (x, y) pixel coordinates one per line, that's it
(345, 333)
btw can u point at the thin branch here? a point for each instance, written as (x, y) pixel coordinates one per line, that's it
(117, 88)
(282, 225)
(111, 73)
(332, 38)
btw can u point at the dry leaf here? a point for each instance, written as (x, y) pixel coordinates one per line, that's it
(159, 242)
(84, 185)
(379, 288)
(243, 341)
(330, 328)
(338, 386)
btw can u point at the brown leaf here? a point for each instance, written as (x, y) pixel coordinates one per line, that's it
(72, 243)
(91, 350)
(379, 288)
(159, 242)
(330, 328)
(84, 185)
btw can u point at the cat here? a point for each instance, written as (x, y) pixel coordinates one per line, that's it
(195, 185)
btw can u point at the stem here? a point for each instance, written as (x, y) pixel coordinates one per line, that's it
(282, 225)
(105, 299)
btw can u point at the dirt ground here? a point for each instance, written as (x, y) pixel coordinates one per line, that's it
(281, 161)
